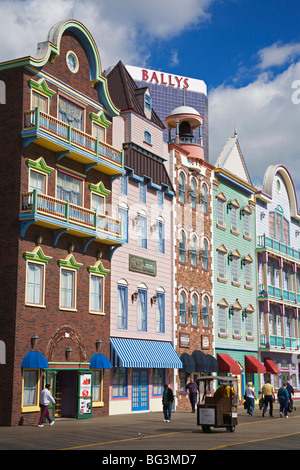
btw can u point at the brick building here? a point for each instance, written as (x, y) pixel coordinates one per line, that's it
(57, 162)
(193, 306)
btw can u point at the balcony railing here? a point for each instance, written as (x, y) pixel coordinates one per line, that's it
(37, 203)
(38, 120)
(282, 248)
(275, 292)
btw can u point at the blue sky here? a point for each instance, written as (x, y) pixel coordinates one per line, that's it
(247, 52)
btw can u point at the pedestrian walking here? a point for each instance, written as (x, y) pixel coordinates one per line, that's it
(291, 392)
(250, 397)
(283, 398)
(45, 400)
(191, 386)
(268, 395)
(167, 401)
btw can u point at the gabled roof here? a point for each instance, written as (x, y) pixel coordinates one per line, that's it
(124, 93)
(232, 160)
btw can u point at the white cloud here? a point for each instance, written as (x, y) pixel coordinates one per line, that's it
(278, 54)
(267, 121)
(122, 29)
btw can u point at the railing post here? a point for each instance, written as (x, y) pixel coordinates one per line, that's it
(70, 134)
(67, 210)
(97, 147)
(37, 119)
(34, 200)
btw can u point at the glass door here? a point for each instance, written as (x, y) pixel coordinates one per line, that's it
(140, 398)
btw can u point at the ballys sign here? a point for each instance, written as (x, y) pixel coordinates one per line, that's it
(161, 78)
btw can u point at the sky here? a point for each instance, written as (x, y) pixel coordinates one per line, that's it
(246, 51)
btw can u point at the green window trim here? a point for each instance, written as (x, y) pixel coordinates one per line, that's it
(39, 165)
(37, 255)
(69, 262)
(41, 87)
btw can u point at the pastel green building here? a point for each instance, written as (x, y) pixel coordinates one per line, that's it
(235, 313)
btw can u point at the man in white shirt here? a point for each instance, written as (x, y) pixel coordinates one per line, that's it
(45, 400)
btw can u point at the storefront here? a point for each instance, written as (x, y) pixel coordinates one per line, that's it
(140, 370)
(76, 387)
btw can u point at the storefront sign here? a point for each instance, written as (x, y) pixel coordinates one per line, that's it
(142, 265)
(184, 340)
(205, 342)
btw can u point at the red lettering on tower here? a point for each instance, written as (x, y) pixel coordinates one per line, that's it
(162, 79)
(185, 81)
(178, 80)
(145, 74)
(170, 81)
(154, 77)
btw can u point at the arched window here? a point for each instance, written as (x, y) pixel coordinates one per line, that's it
(194, 193)
(147, 137)
(182, 188)
(182, 307)
(205, 254)
(194, 309)
(204, 198)
(182, 247)
(194, 250)
(205, 312)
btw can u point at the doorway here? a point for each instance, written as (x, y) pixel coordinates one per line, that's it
(140, 398)
(66, 394)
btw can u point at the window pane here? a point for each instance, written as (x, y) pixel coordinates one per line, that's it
(122, 307)
(96, 293)
(67, 289)
(160, 313)
(30, 387)
(142, 310)
(37, 181)
(34, 293)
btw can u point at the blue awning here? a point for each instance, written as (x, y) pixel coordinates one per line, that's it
(34, 360)
(147, 354)
(99, 361)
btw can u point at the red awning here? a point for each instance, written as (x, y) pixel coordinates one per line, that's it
(271, 367)
(227, 364)
(253, 366)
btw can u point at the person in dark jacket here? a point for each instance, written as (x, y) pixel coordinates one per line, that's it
(191, 386)
(167, 401)
(283, 398)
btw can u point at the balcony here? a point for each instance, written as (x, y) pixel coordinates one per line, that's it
(278, 247)
(285, 296)
(65, 140)
(62, 216)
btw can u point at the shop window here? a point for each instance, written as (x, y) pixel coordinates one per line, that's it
(97, 387)
(30, 390)
(158, 381)
(119, 382)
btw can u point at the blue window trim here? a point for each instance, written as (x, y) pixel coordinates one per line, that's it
(142, 295)
(125, 290)
(160, 244)
(162, 297)
(147, 137)
(125, 213)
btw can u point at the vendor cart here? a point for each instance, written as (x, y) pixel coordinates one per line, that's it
(220, 410)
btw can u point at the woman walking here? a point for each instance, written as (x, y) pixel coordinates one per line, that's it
(250, 397)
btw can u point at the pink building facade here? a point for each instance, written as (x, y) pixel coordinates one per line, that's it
(142, 317)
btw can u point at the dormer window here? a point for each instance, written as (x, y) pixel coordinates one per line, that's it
(147, 102)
